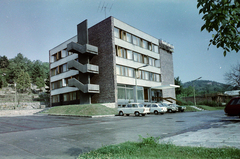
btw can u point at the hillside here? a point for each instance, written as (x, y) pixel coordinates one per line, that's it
(207, 86)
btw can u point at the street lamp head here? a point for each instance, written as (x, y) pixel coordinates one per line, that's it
(143, 66)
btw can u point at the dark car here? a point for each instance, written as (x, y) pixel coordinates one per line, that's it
(233, 107)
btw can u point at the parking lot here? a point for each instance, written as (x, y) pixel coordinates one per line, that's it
(42, 136)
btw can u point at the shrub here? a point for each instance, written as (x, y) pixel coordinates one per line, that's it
(210, 103)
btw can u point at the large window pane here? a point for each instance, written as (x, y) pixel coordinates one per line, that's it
(140, 93)
(145, 44)
(135, 56)
(146, 75)
(129, 93)
(121, 93)
(116, 32)
(155, 48)
(129, 37)
(130, 72)
(129, 55)
(134, 40)
(118, 70)
(139, 43)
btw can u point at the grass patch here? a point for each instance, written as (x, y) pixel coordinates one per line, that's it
(205, 107)
(150, 148)
(81, 110)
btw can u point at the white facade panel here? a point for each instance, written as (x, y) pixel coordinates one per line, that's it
(63, 90)
(64, 75)
(140, 82)
(63, 61)
(134, 31)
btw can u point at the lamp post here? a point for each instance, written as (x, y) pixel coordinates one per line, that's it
(194, 90)
(136, 72)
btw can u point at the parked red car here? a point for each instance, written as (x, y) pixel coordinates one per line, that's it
(233, 107)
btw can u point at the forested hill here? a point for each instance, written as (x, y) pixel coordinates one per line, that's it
(20, 68)
(207, 86)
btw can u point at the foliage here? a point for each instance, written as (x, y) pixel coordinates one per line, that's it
(162, 150)
(209, 103)
(222, 17)
(149, 141)
(233, 76)
(38, 71)
(178, 82)
(45, 97)
(23, 81)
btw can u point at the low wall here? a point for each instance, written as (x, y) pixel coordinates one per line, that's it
(22, 105)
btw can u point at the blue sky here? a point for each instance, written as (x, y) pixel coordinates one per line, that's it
(33, 27)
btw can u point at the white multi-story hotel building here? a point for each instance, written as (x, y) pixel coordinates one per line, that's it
(111, 62)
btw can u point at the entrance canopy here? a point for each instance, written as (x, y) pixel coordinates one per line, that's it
(166, 86)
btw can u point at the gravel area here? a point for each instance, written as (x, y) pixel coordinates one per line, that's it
(19, 112)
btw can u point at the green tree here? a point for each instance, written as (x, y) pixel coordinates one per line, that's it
(4, 62)
(178, 82)
(222, 17)
(40, 82)
(23, 81)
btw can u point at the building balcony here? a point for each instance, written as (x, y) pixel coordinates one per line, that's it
(87, 68)
(83, 49)
(85, 88)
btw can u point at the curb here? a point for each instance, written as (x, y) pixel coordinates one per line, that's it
(86, 116)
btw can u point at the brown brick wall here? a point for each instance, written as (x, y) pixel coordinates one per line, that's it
(101, 35)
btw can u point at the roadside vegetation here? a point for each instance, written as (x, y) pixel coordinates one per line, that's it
(151, 148)
(81, 110)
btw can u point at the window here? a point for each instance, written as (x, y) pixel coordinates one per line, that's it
(145, 59)
(118, 70)
(146, 75)
(121, 93)
(64, 53)
(135, 56)
(55, 99)
(155, 48)
(140, 93)
(139, 42)
(64, 67)
(116, 32)
(123, 35)
(129, 55)
(157, 78)
(134, 38)
(145, 44)
(129, 37)
(130, 72)
(64, 82)
(123, 53)
(149, 46)
(65, 97)
(140, 58)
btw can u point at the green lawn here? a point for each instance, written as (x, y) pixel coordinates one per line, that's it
(205, 107)
(81, 110)
(150, 148)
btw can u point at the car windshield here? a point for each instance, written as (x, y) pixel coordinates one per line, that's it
(140, 105)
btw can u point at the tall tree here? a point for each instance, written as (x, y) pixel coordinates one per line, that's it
(4, 62)
(233, 76)
(223, 18)
(23, 81)
(178, 82)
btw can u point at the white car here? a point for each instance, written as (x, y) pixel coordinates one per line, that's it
(170, 108)
(156, 108)
(133, 108)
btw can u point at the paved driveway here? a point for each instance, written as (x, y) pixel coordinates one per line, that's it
(42, 136)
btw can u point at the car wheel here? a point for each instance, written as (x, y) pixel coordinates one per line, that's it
(121, 113)
(170, 110)
(156, 112)
(136, 113)
(143, 114)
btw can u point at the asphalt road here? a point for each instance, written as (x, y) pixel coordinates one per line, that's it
(49, 137)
